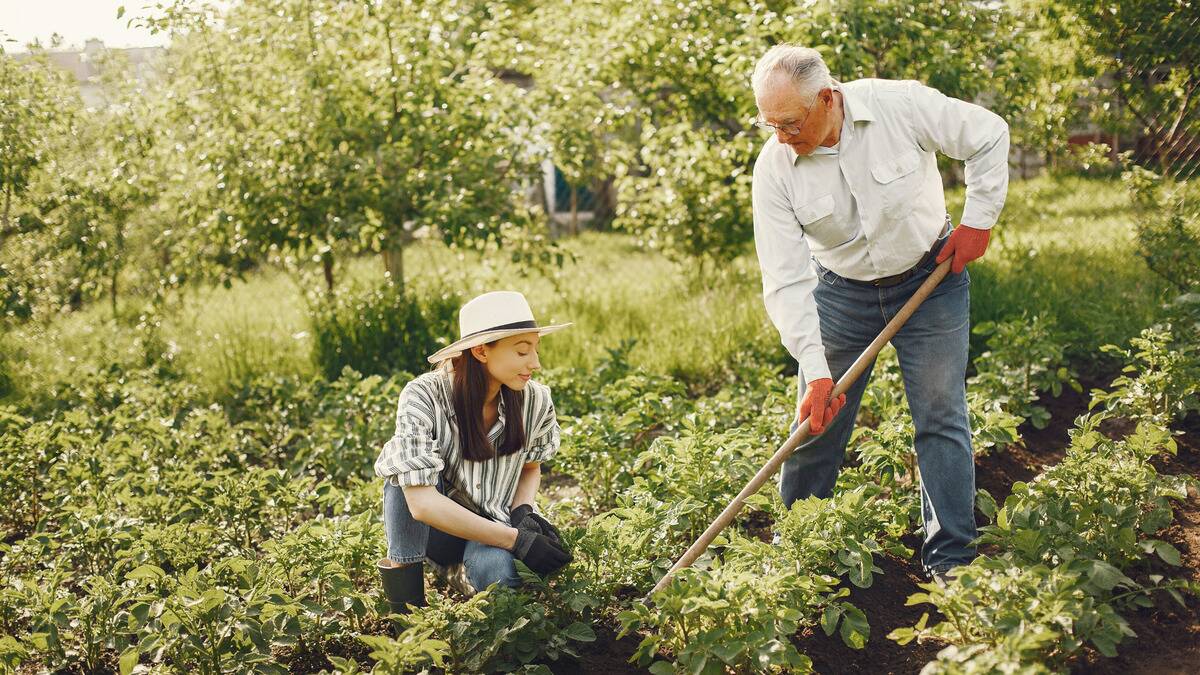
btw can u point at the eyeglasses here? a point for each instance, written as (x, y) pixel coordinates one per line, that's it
(791, 128)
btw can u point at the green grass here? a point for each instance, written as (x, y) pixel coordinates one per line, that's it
(1063, 249)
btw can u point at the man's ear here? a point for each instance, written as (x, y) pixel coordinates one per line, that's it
(480, 353)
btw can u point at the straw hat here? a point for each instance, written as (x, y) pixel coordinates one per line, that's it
(492, 316)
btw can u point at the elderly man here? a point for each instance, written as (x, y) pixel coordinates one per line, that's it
(849, 220)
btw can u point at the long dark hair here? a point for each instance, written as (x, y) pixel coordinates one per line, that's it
(467, 395)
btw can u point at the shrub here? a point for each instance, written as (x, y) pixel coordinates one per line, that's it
(380, 330)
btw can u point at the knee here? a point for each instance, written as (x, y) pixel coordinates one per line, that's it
(490, 565)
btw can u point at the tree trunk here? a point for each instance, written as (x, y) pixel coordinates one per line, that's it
(327, 268)
(393, 264)
(574, 210)
(112, 289)
(5, 227)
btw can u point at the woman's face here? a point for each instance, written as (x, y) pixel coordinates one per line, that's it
(511, 361)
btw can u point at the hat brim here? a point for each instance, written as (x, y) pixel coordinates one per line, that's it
(450, 351)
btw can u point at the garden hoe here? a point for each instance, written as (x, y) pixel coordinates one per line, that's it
(801, 433)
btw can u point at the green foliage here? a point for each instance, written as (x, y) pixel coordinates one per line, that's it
(734, 617)
(601, 449)
(381, 329)
(991, 623)
(1168, 226)
(841, 536)
(1024, 358)
(1098, 503)
(366, 126)
(1161, 379)
(497, 630)
(1151, 51)
(1065, 542)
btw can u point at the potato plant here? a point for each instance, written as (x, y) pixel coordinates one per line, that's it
(1068, 542)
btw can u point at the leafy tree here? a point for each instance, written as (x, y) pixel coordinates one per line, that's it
(37, 108)
(99, 184)
(358, 123)
(1152, 52)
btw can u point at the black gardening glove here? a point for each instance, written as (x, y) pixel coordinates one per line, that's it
(523, 517)
(540, 553)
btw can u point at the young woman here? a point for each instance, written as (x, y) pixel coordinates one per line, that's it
(463, 467)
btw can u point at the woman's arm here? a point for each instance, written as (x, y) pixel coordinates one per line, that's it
(527, 484)
(435, 509)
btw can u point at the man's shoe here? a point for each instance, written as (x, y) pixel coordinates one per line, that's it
(941, 577)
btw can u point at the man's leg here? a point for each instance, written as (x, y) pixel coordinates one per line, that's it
(850, 318)
(932, 347)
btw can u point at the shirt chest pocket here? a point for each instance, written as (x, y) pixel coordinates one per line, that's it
(897, 182)
(816, 217)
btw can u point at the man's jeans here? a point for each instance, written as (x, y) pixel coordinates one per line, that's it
(409, 540)
(932, 347)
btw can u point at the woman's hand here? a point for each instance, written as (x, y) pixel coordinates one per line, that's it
(540, 553)
(524, 517)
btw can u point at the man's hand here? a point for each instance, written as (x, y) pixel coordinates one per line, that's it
(817, 406)
(965, 244)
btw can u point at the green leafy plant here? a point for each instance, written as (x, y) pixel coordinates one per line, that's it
(1160, 381)
(1024, 359)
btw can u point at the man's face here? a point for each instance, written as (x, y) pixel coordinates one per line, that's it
(782, 106)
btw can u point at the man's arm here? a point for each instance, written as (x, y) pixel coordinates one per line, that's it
(970, 133)
(788, 277)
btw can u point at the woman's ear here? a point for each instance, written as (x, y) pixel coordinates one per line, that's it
(480, 353)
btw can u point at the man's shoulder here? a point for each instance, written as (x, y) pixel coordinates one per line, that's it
(879, 91)
(771, 154)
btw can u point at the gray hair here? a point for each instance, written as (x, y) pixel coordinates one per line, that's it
(802, 65)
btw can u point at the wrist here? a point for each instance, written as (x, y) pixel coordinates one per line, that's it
(510, 538)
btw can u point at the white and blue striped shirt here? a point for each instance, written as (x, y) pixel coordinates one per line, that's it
(426, 446)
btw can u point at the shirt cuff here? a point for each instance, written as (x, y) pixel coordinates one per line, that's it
(978, 215)
(814, 367)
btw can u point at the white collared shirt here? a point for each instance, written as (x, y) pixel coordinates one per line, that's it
(873, 204)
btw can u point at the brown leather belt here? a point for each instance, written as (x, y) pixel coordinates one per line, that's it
(896, 279)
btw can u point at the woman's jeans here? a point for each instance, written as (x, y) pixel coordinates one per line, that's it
(410, 540)
(932, 346)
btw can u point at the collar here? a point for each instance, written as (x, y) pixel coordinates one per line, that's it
(856, 107)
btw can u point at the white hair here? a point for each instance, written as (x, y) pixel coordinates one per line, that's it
(803, 66)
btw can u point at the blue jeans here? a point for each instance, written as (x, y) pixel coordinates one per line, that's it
(408, 541)
(932, 347)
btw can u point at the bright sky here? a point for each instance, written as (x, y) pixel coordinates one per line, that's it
(75, 20)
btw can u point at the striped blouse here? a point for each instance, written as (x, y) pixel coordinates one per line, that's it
(425, 446)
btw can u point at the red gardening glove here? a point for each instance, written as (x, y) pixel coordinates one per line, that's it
(816, 401)
(965, 244)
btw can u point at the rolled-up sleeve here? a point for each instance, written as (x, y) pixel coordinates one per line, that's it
(411, 456)
(788, 277)
(972, 134)
(544, 440)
